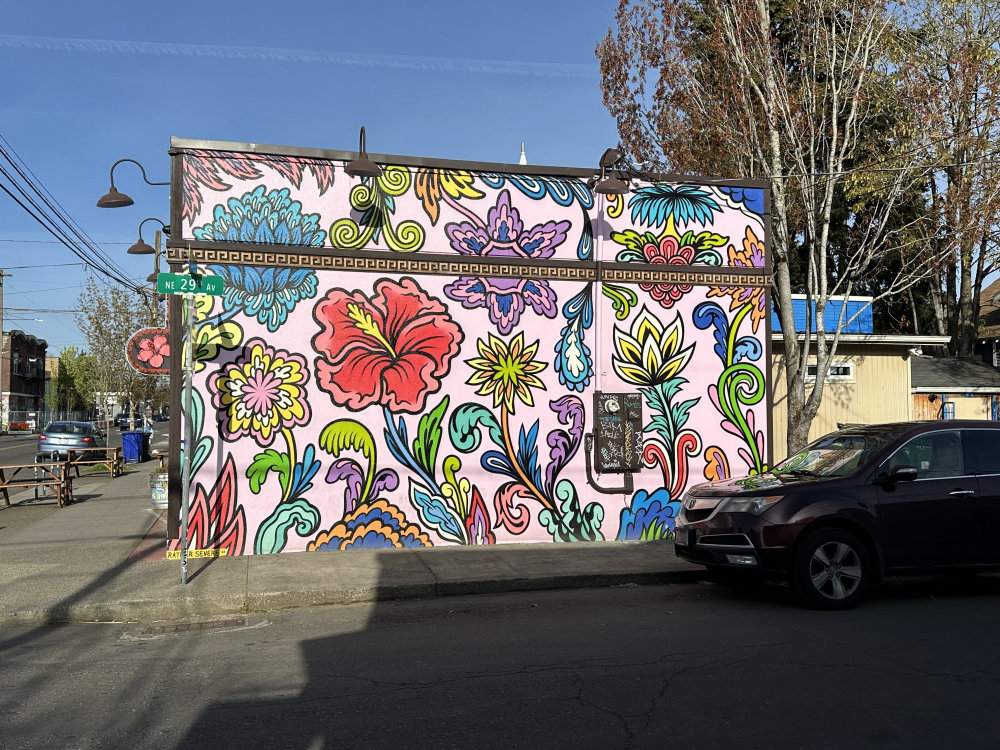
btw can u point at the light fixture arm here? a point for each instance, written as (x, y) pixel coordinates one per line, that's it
(141, 169)
(166, 228)
(141, 247)
(362, 166)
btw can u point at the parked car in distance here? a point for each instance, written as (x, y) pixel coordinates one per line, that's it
(161, 417)
(122, 420)
(59, 438)
(854, 506)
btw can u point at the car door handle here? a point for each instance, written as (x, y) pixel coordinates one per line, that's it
(962, 492)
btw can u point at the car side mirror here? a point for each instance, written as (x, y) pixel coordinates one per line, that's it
(900, 474)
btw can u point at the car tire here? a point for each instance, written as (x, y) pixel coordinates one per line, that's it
(831, 570)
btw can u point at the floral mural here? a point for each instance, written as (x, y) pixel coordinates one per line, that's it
(411, 359)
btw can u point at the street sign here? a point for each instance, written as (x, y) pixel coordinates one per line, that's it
(185, 283)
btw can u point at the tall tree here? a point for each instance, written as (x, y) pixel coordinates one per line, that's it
(74, 388)
(108, 318)
(787, 90)
(952, 67)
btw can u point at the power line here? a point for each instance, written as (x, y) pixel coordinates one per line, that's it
(46, 265)
(54, 219)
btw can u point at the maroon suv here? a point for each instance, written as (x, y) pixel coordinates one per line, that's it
(853, 506)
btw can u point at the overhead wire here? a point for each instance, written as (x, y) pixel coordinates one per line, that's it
(52, 217)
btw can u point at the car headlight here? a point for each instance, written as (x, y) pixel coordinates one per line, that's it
(755, 505)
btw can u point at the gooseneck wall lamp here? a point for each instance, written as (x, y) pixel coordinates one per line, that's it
(140, 247)
(115, 199)
(609, 184)
(362, 166)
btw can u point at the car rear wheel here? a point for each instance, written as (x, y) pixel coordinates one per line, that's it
(832, 570)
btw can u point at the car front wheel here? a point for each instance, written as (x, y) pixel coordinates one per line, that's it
(832, 570)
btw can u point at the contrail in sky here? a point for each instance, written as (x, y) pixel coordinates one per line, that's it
(268, 54)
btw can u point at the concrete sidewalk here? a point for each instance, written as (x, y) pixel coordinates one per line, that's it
(103, 559)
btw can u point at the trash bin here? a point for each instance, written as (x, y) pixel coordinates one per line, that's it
(144, 454)
(158, 489)
(132, 446)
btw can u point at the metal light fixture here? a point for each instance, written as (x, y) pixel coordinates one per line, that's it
(362, 166)
(610, 157)
(115, 199)
(609, 184)
(140, 247)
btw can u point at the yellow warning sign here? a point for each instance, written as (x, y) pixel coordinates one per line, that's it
(175, 554)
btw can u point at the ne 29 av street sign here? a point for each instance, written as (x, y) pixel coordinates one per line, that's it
(185, 283)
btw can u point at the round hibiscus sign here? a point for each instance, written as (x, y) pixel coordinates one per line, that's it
(148, 351)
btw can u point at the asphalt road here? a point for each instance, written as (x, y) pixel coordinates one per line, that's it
(683, 666)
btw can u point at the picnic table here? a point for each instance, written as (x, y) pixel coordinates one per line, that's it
(110, 458)
(53, 475)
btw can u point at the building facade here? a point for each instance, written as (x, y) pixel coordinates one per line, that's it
(22, 381)
(455, 353)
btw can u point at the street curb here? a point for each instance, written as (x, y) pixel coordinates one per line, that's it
(186, 606)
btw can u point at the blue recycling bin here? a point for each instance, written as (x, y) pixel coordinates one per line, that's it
(132, 446)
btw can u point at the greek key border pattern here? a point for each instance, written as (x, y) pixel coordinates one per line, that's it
(467, 267)
(620, 275)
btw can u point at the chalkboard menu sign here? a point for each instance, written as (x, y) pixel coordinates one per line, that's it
(617, 432)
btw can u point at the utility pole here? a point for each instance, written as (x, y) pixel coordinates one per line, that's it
(5, 406)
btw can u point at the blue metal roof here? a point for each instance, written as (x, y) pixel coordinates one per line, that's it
(861, 324)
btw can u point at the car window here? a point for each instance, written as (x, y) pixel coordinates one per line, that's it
(934, 455)
(58, 428)
(837, 454)
(982, 451)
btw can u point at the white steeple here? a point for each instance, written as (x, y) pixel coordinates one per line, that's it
(524, 159)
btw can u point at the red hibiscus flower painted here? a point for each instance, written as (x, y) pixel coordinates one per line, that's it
(669, 252)
(153, 350)
(392, 350)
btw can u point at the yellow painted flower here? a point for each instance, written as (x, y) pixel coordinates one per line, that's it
(650, 353)
(506, 371)
(261, 393)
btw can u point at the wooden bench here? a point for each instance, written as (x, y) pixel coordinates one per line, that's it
(110, 458)
(53, 475)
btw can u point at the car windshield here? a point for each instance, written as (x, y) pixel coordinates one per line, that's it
(65, 428)
(839, 454)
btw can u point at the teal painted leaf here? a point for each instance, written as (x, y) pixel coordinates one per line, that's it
(272, 536)
(572, 524)
(465, 423)
(680, 412)
(202, 443)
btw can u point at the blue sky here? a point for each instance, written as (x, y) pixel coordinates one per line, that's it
(86, 84)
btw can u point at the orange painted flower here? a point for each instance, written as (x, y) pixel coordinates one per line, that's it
(375, 525)
(751, 256)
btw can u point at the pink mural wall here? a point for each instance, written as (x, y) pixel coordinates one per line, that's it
(412, 359)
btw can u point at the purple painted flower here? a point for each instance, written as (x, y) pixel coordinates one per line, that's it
(504, 237)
